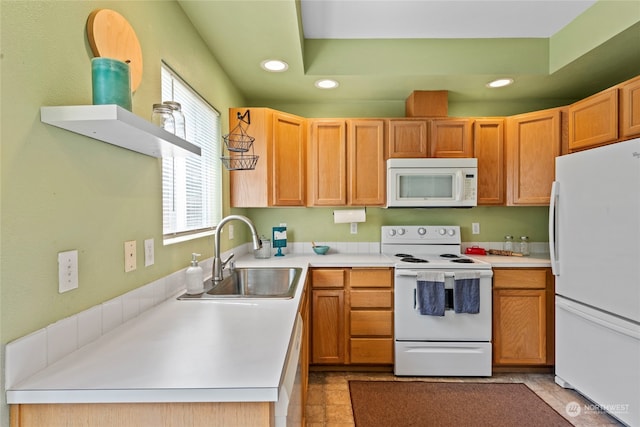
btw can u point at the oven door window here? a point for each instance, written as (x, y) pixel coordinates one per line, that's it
(426, 186)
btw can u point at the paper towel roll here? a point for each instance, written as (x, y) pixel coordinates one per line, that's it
(349, 215)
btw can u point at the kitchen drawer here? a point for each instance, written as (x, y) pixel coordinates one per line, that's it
(328, 278)
(371, 298)
(371, 350)
(520, 278)
(371, 277)
(369, 322)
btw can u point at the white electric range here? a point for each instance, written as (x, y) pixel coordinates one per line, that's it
(453, 342)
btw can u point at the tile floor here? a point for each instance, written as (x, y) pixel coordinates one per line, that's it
(329, 403)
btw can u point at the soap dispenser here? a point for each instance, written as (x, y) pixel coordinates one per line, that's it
(195, 278)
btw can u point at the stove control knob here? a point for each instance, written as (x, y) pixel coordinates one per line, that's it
(442, 231)
(422, 231)
(452, 232)
(401, 231)
(392, 232)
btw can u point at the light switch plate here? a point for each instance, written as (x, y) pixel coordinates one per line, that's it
(129, 256)
(149, 256)
(67, 271)
(475, 228)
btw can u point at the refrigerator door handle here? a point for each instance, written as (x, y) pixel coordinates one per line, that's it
(553, 231)
(574, 309)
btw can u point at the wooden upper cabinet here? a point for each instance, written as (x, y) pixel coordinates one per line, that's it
(593, 121)
(451, 138)
(533, 143)
(327, 163)
(630, 109)
(289, 160)
(366, 165)
(279, 178)
(407, 138)
(488, 148)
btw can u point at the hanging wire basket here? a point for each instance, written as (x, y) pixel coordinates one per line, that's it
(238, 141)
(240, 162)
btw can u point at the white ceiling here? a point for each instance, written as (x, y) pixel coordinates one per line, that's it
(372, 19)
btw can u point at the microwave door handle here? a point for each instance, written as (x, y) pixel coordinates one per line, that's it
(459, 184)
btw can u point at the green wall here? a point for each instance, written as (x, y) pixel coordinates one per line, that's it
(316, 224)
(62, 191)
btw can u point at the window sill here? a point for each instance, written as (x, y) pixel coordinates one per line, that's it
(170, 240)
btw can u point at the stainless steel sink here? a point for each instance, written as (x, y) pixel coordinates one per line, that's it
(253, 283)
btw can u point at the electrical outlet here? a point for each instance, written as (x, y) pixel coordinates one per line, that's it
(149, 256)
(230, 228)
(354, 228)
(67, 271)
(475, 228)
(129, 256)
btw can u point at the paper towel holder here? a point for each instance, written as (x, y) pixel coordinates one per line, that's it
(349, 216)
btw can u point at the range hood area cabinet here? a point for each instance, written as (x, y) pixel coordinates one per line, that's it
(429, 137)
(279, 178)
(346, 162)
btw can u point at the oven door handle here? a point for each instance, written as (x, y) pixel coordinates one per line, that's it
(413, 273)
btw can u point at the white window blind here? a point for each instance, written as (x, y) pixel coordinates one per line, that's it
(191, 187)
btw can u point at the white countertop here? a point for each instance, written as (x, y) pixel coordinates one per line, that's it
(196, 351)
(534, 260)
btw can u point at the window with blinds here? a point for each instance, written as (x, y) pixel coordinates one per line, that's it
(191, 187)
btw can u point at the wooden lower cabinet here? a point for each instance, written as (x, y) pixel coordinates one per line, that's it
(352, 316)
(523, 317)
(144, 414)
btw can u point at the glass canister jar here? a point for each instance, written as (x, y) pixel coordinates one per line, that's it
(178, 118)
(265, 251)
(508, 243)
(162, 116)
(524, 245)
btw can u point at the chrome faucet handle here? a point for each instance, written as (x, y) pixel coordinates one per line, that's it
(226, 261)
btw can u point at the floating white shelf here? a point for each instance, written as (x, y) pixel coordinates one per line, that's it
(117, 126)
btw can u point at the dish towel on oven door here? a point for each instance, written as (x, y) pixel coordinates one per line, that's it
(430, 293)
(466, 292)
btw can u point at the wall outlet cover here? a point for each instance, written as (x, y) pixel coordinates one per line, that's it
(67, 271)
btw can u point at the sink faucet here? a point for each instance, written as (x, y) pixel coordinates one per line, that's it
(218, 264)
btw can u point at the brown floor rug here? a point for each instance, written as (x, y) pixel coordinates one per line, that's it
(418, 403)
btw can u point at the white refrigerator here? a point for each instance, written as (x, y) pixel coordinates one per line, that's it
(594, 237)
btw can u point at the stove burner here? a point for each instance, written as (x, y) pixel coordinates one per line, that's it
(450, 256)
(412, 259)
(404, 255)
(463, 260)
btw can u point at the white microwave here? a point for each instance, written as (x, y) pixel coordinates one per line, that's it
(432, 182)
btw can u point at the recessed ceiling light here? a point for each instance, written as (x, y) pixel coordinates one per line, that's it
(274, 65)
(500, 83)
(326, 84)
